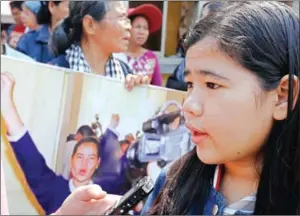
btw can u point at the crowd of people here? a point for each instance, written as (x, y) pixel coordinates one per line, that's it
(241, 72)
(99, 37)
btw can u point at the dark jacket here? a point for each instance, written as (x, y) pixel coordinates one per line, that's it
(176, 80)
(35, 44)
(215, 199)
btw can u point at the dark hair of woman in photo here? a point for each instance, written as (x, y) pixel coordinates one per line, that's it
(35, 43)
(86, 40)
(242, 108)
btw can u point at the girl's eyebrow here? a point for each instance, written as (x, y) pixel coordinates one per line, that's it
(207, 73)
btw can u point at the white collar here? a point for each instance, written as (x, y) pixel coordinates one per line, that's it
(245, 205)
(72, 186)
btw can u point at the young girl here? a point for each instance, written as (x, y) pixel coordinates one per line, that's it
(242, 109)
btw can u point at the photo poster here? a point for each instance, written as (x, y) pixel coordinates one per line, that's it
(137, 132)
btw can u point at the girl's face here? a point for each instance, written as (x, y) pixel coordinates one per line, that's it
(113, 32)
(139, 31)
(227, 112)
(29, 18)
(84, 162)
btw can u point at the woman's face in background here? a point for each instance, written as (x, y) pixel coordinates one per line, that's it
(17, 13)
(227, 112)
(59, 11)
(84, 162)
(139, 31)
(113, 32)
(29, 19)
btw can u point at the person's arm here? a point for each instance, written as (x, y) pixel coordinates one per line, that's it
(157, 77)
(44, 183)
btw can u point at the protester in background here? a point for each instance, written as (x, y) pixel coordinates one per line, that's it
(243, 112)
(29, 15)
(86, 40)
(124, 144)
(35, 43)
(16, 30)
(176, 80)
(16, 11)
(145, 19)
(82, 132)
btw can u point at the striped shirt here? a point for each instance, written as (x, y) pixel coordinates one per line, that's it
(245, 205)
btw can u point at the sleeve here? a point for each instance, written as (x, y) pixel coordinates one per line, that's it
(109, 145)
(22, 44)
(157, 77)
(159, 184)
(42, 181)
(109, 136)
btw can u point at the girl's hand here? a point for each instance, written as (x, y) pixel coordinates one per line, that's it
(133, 80)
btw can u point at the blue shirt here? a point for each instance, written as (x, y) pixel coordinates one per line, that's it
(35, 44)
(215, 204)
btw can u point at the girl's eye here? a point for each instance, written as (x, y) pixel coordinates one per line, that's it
(189, 85)
(212, 85)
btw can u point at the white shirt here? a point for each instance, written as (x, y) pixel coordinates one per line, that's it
(73, 187)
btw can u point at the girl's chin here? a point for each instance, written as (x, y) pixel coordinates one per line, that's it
(206, 158)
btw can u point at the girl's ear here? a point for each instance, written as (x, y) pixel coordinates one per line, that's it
(281, 106)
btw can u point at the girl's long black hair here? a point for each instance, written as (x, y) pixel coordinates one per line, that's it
(264, 38)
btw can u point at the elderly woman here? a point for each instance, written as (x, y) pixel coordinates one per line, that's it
(86, 40)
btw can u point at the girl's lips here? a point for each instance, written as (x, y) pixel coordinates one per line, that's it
(197, 134)
(82, 172)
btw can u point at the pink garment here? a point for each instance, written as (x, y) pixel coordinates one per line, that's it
(4, 204)
(147, 64)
